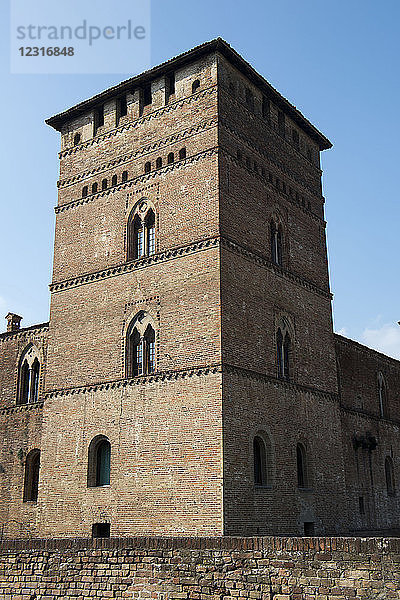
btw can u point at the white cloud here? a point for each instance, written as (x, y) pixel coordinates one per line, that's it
(385, 338)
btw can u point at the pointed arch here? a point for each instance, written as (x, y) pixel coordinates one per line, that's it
(302, 467)
(28, 375)
(276, 241)
(141, 231)
(382, 395)
(140, 344)
(262, 459)
(284, 350)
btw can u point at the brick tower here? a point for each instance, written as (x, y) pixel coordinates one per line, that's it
(191, 378)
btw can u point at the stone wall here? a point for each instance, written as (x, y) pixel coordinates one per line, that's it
(201, 569)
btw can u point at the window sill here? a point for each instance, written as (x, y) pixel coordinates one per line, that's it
(96, 487)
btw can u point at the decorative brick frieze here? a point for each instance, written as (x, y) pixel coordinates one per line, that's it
(141, 179)
(148, 149)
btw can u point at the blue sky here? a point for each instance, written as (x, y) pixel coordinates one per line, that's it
(336, 61)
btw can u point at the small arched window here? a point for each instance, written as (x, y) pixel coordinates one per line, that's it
(84, 191)
(124, 176)
(389, 476)
(28, 376)
(94, 188)
(182, 153)
(170, 158)
(114, 180)
(77, 139)
(99, 462)
(301, 458)
(159, 163)
(276, 244)
(147, 167)
(382, 395)
(262, 461)
(104, 184)
(140, 347)
(31, 478)
(195, 85)
(283, 351)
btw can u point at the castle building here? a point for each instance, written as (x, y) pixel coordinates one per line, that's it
(188, 381)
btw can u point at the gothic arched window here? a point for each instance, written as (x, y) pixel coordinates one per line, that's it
(28, 376)
(99, 462)
(84, 191)
(182, 153)
(114, 180)
(140, 346)
(382, 395)
(94, 188)
(283, 351)
(141, 233)
(124, 177)
(77, 139)
(170, 158)
(389, 476)
(195, 85)
(301, 458)
(104, 184)
(147, 167)
(31, 478)
(276, 243)
(159, 162)
(262, 460)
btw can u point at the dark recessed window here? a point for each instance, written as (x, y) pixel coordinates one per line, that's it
(98, 118)
(309, 529)
(114, 180)
(169, 85)
(84, 191)
(147, 167)
(146, 94)
(77, 139)
(31, 479)
(104, 184)
(266, 108)
(101, 530)
(94, 188)
(182, 153)
(301, 466)
(122, 107)
(195, 85)
(99, 462)
(159, 162)
(170, 158)
(124, 176)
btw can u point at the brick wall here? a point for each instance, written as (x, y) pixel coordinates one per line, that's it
(202, 569)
